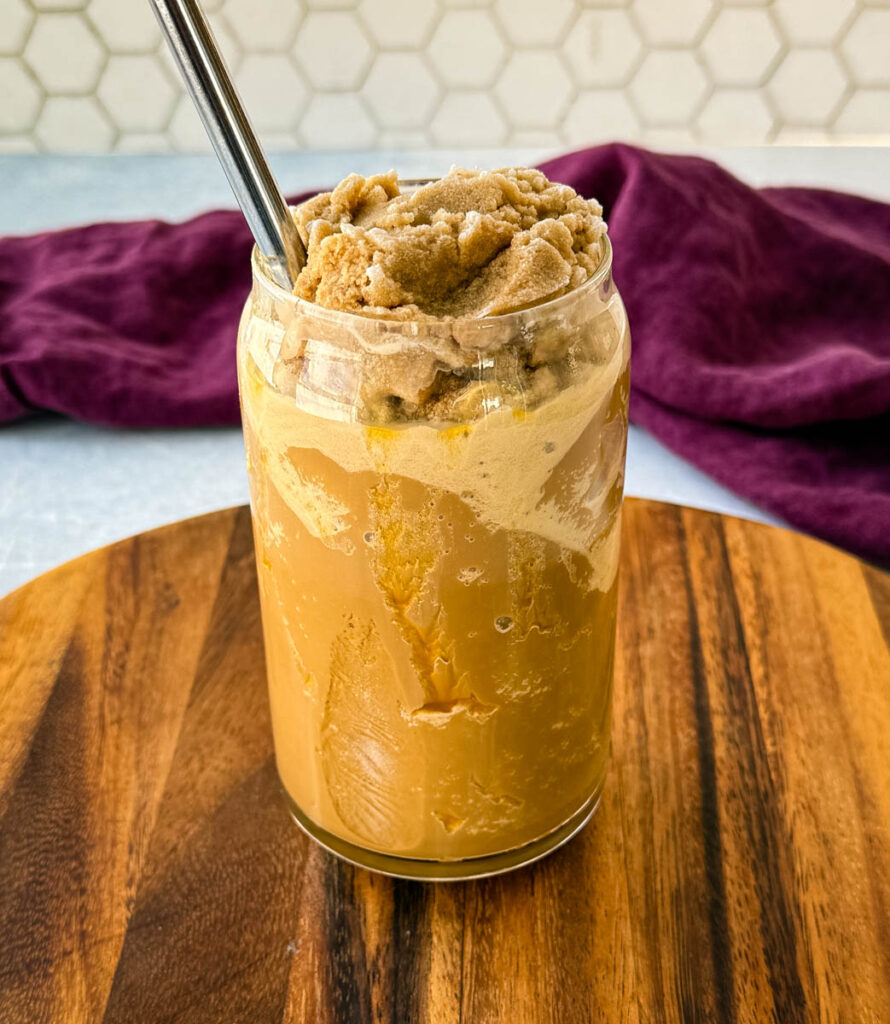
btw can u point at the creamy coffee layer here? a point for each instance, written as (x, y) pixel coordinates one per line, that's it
(504, 465)
(439, 645)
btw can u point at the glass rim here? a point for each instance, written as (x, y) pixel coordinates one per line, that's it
(281, 294)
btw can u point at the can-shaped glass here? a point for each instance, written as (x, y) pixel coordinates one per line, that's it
(436, 511)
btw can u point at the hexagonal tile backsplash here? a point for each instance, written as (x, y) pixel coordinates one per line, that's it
(93, 75)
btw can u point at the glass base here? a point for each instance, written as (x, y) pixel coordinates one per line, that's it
(447, 870)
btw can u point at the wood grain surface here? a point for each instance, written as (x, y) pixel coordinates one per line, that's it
(738, 868)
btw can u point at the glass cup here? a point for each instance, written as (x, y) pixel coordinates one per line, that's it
(436, 512)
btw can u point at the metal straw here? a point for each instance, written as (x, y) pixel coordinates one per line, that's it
(213, 92)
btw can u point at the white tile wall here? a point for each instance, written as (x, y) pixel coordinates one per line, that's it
(94, 75)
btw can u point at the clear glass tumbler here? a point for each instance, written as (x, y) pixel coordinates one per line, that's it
(436, 510)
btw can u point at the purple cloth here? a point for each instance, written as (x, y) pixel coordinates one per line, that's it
(760, 322)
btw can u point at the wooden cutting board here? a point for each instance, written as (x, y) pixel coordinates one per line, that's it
(737, 870)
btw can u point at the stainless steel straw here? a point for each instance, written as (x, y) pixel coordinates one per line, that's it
(213, 92)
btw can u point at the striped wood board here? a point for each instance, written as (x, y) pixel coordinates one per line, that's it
(738, 868)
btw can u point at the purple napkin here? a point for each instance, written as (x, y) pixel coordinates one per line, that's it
(760, 322)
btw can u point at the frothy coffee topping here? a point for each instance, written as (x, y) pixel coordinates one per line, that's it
(446, 290)
(471, 244)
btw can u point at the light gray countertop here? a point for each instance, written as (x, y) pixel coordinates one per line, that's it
(67, 487)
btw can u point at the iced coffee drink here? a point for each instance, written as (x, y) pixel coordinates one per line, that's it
(435, 424)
